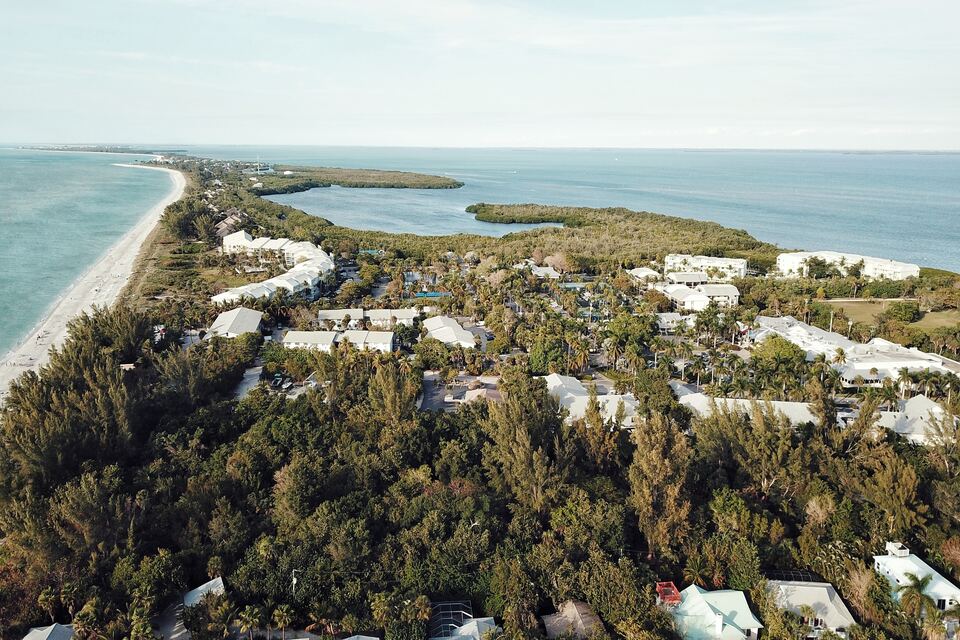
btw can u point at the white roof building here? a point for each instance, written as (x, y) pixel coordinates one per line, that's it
(873, 362)
(391, 317)
(912, 420)
(193, 598)
(538, 271)
(703, 405)
(575, 398)
(795, 264)
(337, 316)
(475, 628)
(308, 265)
(644, 274)
(719, 269)
(711, 615)
(814, 340)
(237, 242)
(689, 278)
(699, 298)
(448, 331)
(898, 562)
(313, 340)
(880, 359)
(670, 321)
(829, 611)
(381, 318)
(235, 322)
(55, 631)
(374, 340)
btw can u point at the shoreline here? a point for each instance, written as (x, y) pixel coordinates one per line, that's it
(100, 285)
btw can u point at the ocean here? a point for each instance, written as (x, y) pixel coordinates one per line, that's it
(59, 212)
(904, 206)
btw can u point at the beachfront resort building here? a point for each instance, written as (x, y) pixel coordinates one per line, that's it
(699, 614)
(575, 398)
(699, 298)
(382, 341)
(236, 322)
(449, 332)
(816, 603)
(897, 565)
(718, 269)
(859, 364)
(796, 264)
(308, 264)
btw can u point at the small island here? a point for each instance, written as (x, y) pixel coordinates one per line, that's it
(293, 179)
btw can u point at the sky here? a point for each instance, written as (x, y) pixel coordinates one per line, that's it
(848, 74)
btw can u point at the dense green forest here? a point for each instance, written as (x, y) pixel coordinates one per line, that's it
(292, 179)
(123, 486)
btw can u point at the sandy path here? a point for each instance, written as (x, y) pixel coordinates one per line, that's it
(100, 285)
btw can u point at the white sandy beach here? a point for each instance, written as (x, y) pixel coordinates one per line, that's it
(100, 285)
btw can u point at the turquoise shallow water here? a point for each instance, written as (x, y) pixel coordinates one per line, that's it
(904, 206)
(58, 213)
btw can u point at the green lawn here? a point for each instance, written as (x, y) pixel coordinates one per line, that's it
(867, 310)
(937, 319)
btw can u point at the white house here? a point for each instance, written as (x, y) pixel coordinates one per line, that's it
(237, 242)
(698, 299)
(196, 596)
(448, 331)
(382, 341)
(379, 318)
(644, 274)
(724, 295)
(703, 406)
(475, 628)
(338, 317)
(389, 318)
(898, 562)
(829, 611)
(575, 398)
(538, 271)
(55, 631)
(312, 340)
(724, 614)
(672, 321)
(689, 278)
(235, 322)
(795, 264)
(719, 269)
(913, 418)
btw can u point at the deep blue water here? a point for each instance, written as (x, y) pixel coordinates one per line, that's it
(58, 213)
(904, 206)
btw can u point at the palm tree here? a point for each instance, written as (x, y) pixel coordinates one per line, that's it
(913, 597)
(283, 618)
(250, 619)
(695, 571)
